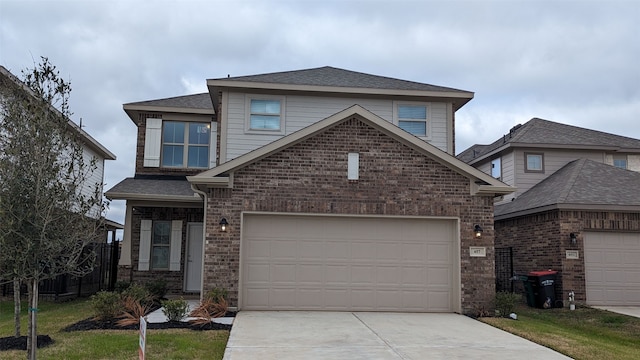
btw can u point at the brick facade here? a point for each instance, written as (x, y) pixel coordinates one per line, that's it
(540, 241)
(311, 177)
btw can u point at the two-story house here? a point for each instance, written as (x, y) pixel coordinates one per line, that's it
(93, 151)
(576, 208)
(322, 189)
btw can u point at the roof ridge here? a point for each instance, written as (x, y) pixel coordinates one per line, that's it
(573, 178)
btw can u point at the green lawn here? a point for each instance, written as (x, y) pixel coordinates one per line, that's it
(107, 344)
(585, 333)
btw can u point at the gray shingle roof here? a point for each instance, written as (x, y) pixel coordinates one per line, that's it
(580, 182)
(335, 77)
(154, 189)
(539, 131)
(195, 101)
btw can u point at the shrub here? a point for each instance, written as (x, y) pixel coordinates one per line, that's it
(106, 305)
(208, 310)
(138, 293)
(121, 286)
(216, 294)
(133, 311)
(175, 310)
(505, 302)
(157, 288)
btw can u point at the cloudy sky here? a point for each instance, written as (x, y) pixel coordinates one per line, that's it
(574, 62)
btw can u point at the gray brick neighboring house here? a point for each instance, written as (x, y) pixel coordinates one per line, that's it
(576, 210)
(338, 190)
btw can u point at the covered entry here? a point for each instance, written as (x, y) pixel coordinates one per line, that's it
(348, 263)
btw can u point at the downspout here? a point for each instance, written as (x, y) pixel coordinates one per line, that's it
(204, 236)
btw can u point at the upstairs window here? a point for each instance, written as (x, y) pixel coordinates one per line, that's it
(265, 114)
(185, 144)
(496, 168)
(620, 161)
(534, 162)
(412, 118)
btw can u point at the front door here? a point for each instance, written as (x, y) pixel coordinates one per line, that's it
(193, 274)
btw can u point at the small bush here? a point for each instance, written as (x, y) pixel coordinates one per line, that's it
(121, 286)
(506, 302)
(216, 294)
(157, 288)
(106, 305)
(175, 310)
(138, 293)
(133, 311)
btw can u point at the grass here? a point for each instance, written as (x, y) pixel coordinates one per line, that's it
(585, 333)
(107, 344)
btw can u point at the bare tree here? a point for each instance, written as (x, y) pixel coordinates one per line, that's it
(50, 211)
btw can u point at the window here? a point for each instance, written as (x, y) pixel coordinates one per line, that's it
(496, 168)
(160, 245)
(534, 162)
(413, 118)
(620, 161)
(265, 114)
(185, 144)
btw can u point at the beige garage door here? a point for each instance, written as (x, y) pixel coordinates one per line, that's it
(612, 268)
(349, 263)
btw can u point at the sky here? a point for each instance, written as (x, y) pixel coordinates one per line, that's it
(573, 62)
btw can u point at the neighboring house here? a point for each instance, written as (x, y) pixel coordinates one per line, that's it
(337, 190)
(576, 210)
(92, 150)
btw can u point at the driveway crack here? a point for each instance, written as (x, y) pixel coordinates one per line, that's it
(380, 337)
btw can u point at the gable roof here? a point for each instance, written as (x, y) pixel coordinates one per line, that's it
(548, 134)
(222, 175)
(581, 184)
(8, 79)
(329, 79)
(199, 104)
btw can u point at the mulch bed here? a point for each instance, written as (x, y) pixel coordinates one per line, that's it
(20, 343)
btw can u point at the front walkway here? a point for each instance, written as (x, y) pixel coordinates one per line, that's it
(362, 335)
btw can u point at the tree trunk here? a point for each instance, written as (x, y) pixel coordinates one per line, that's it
(32, 338)
(16, 306)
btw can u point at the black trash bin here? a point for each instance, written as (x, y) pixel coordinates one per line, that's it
(543, 286)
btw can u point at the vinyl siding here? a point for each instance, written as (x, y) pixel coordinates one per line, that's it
(302, 111)
(95, 177)
(553, 161)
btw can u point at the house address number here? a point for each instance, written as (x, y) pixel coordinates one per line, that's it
(573, 254)
(478, 251)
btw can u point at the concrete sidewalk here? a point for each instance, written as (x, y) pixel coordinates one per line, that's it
(362, 335)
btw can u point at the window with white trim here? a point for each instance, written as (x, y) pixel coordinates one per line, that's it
(160, 245)
(185, 144)
(413, 118)
(265, 114)
(534, 162)
(496, 168)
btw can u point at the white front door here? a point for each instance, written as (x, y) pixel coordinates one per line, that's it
(193, 273)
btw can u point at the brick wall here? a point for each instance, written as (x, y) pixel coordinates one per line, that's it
(311, 177)
(175, 279)
(540, 242)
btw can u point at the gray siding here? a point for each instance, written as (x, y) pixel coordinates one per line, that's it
(302, 111)
(553, 160)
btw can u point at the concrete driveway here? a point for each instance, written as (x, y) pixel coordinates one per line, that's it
(626, 310)
(366, 335)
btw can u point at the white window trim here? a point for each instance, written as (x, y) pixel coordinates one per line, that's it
(247, 112)
(526, 162)
(396, 120)
(146, 244)
(185, 145)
